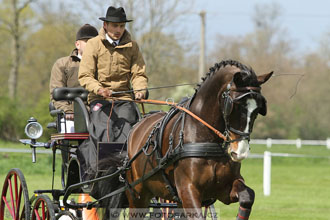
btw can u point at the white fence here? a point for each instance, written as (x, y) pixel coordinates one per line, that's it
(267, 156)
(298, 142)
(268, 164)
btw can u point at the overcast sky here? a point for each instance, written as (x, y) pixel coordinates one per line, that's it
(306, 21)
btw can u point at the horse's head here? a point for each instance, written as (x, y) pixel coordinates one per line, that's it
(241, 101)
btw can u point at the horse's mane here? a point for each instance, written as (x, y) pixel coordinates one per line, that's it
(223, 63)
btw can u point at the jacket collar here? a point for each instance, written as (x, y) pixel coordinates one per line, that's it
(125, 40)
(110, 40)
(74, 54)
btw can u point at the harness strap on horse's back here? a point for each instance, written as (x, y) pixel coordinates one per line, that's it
(165, 121)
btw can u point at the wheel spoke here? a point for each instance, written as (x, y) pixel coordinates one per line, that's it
(11, 196)
(16, 188)
(18, 202)
(43, 210)
(37, 214)
(15, 204)
(8, 206)
(17, 196)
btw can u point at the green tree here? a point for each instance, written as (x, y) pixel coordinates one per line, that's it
(52, 37)
(55, 40)
(14, 18)
(4, 61)
(11, 119)
(312, 96)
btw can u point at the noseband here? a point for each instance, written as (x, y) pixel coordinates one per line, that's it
(229, 101)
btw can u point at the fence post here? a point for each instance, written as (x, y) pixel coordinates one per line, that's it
(269, 142)
(298, 143)
(267, 172)
(328, 143)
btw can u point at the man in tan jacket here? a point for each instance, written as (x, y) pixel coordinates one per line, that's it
(65, 70)
(112, 69)
(113, 62)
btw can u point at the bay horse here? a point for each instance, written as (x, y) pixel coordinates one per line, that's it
(197, 164)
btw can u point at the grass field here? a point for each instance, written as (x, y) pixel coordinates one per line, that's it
(300, 187)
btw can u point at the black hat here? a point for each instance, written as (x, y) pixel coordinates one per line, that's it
(87, 31)
(115, 15)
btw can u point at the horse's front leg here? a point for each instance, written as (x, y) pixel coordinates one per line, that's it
(245, 197)
(188, 192)
(191, 202)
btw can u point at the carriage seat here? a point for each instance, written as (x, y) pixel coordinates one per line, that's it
(78, 95)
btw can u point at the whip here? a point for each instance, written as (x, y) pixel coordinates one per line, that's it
(153, 88)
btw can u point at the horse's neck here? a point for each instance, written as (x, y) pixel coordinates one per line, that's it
(206, 103)
(206, 106)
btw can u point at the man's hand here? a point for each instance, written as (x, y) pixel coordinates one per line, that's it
(69, 116)
(106, 93)
(139, 95)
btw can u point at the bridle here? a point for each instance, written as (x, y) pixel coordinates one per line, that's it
(228, 103)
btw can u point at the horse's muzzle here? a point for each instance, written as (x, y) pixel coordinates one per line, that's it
(238, 151)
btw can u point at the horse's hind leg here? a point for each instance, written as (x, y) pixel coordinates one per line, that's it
(245, 196)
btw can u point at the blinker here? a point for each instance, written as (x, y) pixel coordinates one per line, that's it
(228, 102)
(263, 109)
(228, 105)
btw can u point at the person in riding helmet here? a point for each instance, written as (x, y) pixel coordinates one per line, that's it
(65, 70)
(65, 74)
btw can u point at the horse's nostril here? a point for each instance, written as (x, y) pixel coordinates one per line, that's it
(233, 155)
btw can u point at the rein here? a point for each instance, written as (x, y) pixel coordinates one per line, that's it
(158, 102)
(152, 88)
(250, 90)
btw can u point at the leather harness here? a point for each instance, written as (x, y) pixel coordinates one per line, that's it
(180, 151)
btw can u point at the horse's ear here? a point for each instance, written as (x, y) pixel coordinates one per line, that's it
(264, 78)
(240, 78)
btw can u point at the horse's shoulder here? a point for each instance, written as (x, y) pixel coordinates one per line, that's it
(149, 120)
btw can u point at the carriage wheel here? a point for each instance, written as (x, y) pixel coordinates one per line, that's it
(15, 202)
(66, 215)
(43, 209)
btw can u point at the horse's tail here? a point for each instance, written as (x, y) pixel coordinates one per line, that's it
(116, 202)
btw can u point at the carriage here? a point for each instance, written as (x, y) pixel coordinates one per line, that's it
(162, 147)
(47, 204)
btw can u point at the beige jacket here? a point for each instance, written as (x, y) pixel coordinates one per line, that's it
(64, 74)
(119, 68)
